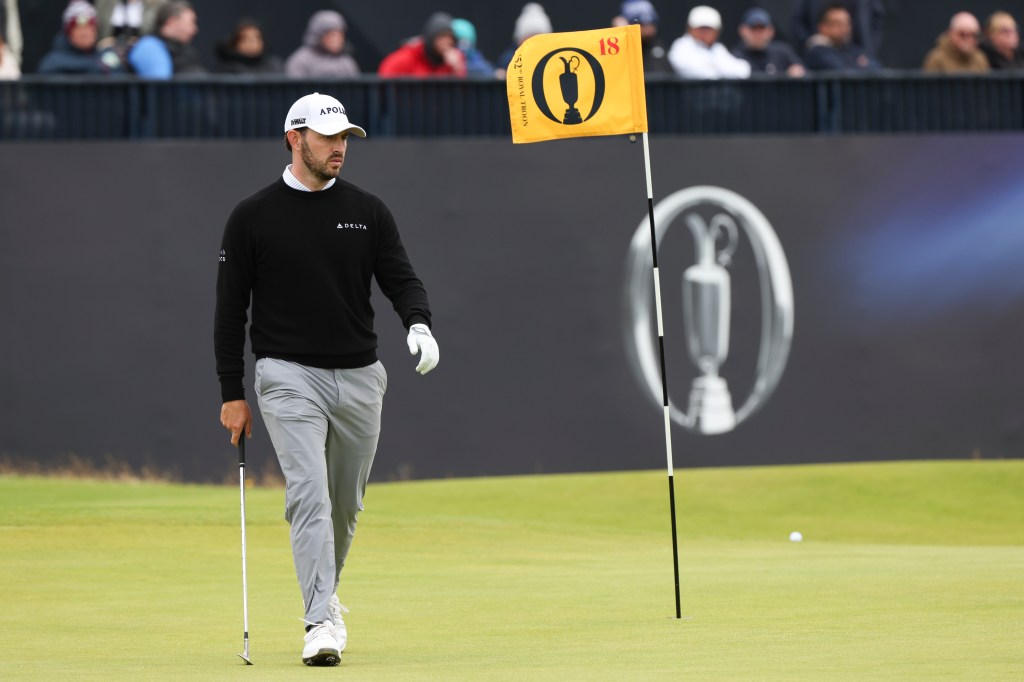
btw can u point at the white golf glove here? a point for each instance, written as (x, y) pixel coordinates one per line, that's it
(421, 341)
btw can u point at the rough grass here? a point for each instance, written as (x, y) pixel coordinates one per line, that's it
(907, 571)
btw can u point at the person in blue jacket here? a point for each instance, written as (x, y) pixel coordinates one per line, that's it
(169, 52)
(465, 38)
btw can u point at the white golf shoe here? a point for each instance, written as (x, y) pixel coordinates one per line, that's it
(336, 610)
(321, 645)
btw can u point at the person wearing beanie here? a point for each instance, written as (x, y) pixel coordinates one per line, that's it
(74, 49)
(465, 38)
(532, 21)
(325, 49)
(432, 53)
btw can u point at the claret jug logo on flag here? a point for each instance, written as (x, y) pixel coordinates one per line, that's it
(577, 85)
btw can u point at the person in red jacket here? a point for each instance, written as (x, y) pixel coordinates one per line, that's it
(433, 53)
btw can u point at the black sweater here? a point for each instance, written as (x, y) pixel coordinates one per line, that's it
(306, 259)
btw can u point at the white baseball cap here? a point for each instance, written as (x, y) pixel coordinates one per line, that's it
(322, 113)
(703, 16)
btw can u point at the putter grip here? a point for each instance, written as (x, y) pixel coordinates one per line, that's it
(241, 449)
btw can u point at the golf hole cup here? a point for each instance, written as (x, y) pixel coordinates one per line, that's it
(796, 536)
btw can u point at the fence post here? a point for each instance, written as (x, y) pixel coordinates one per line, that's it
(829, 96)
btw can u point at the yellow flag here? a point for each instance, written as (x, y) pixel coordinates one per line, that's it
(577, 85)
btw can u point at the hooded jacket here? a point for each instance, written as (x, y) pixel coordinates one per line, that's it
(311, 60)
(945, 58)
(418, 57)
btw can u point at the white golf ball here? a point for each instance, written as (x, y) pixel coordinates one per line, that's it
(796, 536)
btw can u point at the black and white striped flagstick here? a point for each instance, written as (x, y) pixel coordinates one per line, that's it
(664, 378)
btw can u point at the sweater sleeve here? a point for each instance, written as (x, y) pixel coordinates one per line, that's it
(395, 274)
(150, 59)
(727, 65)
(234, 291)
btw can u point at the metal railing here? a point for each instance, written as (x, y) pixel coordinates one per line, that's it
(39, 108)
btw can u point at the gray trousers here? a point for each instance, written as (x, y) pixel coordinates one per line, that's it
(324, 424)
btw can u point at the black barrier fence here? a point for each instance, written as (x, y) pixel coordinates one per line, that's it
(232, 108)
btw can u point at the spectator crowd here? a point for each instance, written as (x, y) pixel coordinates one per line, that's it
(155, 39)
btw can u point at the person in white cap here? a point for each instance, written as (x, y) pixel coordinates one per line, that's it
(699, 55)
(304, 250)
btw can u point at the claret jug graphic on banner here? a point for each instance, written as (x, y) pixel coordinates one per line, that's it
(577, 85)
(717, 219)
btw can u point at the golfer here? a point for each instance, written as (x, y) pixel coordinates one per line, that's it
(304, 249)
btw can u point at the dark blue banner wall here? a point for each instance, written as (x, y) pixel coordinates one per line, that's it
(824, 300)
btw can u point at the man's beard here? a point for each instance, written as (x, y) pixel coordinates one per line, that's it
(319, 169)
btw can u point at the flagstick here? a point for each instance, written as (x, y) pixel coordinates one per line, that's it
(664, 378)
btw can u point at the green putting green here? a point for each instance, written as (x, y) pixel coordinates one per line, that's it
(907, 570)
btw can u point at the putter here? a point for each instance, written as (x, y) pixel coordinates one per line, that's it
(245, 589)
